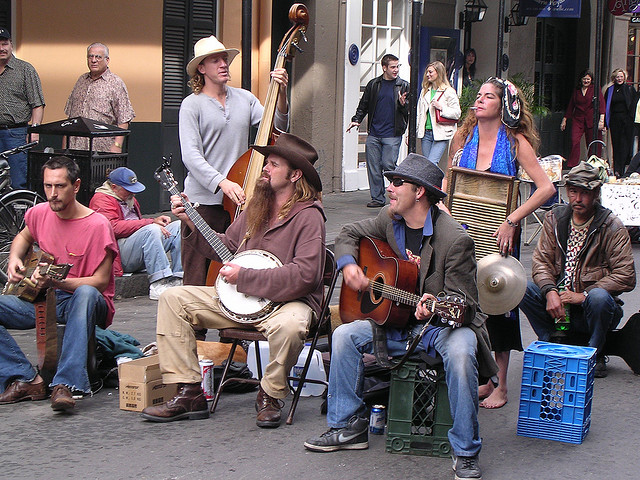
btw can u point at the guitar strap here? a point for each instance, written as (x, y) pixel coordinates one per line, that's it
(380, 346)
(47, 335)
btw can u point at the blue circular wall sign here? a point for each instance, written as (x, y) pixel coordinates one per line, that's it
(354, 54)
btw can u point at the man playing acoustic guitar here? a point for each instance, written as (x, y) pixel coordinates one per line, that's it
(419, 232)
(284, 218)
(73, 234)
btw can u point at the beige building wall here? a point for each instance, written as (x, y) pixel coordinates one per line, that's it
(53, 37)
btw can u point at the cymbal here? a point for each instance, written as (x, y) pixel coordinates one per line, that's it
(501, 283)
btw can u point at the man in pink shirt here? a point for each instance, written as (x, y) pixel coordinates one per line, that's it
(73, 234)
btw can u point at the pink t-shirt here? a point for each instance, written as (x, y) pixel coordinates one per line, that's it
(84, 242)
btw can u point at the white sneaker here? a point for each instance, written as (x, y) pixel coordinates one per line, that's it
(175, 281)
(156, 288)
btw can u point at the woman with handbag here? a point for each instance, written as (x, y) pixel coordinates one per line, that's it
(438, 112)
(498, 135)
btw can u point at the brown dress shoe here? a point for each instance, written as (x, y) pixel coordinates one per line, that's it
(19, 391)
(189, 403)
(61, 399)
(268, 410)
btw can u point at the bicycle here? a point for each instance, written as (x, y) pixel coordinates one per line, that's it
(13, 206)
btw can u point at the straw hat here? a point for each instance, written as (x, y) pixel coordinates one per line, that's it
(205, 47)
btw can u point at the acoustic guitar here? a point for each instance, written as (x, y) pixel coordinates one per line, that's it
(25, 288)
(390, 300)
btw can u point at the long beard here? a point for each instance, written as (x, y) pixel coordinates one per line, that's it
(259, 209)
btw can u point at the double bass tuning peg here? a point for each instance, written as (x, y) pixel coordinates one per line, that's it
(297, 47)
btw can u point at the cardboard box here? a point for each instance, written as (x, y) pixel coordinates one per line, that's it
(141, 384)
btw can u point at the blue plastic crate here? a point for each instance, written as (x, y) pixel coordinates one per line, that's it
(556, 392)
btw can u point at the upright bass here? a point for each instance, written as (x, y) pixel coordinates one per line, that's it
(247, 169)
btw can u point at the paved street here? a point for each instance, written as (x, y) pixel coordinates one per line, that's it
(100, 441)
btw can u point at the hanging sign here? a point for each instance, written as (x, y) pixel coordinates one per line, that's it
(550, 8)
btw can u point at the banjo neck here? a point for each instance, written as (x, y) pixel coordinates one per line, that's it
(203, 227)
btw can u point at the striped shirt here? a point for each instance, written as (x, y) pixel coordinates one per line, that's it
(104, 99)
(20, 92)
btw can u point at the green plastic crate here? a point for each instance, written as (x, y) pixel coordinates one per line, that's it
(418, 416)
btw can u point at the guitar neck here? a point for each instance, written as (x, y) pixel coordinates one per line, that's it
(397, 295)
(203, 227)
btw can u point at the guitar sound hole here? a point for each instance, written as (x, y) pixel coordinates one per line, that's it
(376, 290)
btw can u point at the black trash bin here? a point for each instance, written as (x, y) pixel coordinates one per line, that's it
(93, 165)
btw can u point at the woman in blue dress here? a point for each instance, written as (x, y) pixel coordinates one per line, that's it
(498, 135)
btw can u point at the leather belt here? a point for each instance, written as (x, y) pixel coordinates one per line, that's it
(15, 125)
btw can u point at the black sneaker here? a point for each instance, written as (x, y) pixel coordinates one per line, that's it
(601, 367)
(355, 436)
(467, 468)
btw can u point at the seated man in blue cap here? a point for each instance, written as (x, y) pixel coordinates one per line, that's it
(143, 242)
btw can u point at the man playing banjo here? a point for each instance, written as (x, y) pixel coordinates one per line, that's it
(284, 218)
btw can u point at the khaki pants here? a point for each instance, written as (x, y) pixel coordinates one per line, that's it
(180, 308)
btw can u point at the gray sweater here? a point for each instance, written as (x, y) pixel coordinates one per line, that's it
(213, 137)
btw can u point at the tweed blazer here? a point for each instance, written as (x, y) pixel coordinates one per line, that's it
(447, 264)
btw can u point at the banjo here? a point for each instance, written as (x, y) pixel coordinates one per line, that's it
(239, 307)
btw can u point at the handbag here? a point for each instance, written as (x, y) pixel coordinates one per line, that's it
(444, 120)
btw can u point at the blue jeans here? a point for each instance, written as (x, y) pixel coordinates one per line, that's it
(12, 138)
(458, 350)
(80, 311)
(148, 247)
(382, 155)
(433, 149)
(598, 314)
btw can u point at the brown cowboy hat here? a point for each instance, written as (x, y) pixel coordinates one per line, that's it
(298, 153)
(205, 47)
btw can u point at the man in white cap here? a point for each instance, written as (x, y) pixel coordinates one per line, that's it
(143, 242)
(214, 124)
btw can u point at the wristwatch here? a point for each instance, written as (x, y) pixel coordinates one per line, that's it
(586, 294)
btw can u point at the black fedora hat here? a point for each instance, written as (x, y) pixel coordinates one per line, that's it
(298, 153)
(421, 171)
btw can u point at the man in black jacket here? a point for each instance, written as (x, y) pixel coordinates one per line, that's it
(385, 101)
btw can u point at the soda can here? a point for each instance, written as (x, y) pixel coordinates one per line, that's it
(377, 420)
(206, 369)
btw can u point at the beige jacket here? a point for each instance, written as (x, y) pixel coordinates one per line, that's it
(451, 110)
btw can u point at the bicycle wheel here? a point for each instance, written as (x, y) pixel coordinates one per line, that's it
(13, 206)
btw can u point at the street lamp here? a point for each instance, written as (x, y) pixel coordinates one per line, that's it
(514, 19)
(474, 11)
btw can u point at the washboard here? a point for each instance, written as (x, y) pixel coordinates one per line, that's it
(480, 201)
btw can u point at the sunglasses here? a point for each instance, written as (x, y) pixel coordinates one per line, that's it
(398, 182)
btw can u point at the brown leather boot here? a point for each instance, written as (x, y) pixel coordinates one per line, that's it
(190, 403)
(268, 410)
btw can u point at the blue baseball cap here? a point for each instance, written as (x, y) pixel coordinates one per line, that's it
(4, 33)
(126, 178)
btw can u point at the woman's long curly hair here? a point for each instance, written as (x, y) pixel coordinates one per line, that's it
(526, 126)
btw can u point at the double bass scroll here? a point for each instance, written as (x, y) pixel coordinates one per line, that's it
(248, 168)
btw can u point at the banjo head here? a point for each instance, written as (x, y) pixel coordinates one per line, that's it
(241, 307)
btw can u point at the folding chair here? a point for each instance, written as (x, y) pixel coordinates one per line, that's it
(552, 166)
(539, 214)
(237, 335)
